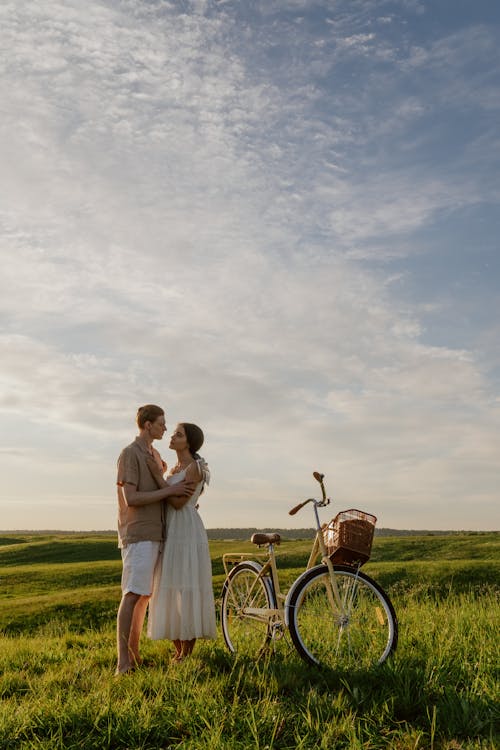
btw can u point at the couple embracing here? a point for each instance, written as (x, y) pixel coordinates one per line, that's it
(164, 545)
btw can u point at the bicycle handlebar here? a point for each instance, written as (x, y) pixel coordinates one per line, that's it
(299, 506)
(317, 503)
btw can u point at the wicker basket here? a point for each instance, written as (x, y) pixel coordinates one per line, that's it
(348, 538)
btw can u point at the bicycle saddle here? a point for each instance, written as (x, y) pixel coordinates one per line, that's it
(261, 538)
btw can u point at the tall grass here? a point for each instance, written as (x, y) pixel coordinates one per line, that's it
(439, 692)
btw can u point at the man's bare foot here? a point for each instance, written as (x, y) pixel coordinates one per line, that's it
(136, 660)
(127, 669)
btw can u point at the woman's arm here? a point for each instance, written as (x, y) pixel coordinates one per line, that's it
(193, 476)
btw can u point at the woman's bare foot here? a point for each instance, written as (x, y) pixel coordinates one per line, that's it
(187, 647)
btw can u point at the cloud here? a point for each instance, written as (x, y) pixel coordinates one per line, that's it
(204, 207)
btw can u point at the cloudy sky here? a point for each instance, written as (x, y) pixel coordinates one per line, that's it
(275, 218)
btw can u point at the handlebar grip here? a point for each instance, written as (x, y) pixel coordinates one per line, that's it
(297, 508)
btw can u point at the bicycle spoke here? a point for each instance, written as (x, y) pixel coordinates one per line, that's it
(359, 635)
(246, 600)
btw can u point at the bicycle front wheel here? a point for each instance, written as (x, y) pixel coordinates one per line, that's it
(246, 601)
(357, 635)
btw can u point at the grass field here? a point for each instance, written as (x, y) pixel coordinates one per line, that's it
(439, 691)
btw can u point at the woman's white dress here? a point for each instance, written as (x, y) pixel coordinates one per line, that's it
(182, 604)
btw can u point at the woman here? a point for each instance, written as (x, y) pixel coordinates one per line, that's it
(182, 606)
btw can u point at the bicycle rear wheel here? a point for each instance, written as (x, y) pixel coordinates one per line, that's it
(363, 633)
(246, 599)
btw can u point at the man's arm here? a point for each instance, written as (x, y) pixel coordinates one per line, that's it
(136, 499)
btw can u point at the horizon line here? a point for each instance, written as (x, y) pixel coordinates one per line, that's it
(252, 528)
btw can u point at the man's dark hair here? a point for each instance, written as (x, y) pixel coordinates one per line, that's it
(148, 413)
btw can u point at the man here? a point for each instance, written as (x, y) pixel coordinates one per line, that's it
(140, 530)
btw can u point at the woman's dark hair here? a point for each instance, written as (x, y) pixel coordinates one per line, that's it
(195, 437)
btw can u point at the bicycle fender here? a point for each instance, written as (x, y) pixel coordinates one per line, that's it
(248, 563)
(257, 567)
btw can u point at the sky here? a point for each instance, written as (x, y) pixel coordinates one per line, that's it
(277, 219)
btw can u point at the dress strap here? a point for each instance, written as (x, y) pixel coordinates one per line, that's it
(204, 470)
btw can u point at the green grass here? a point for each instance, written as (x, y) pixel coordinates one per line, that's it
(57, 657)
(54, 549)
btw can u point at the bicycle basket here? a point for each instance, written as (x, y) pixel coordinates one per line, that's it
(348, 537)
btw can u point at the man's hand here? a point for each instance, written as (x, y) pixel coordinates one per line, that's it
(156, 471)
(182, 489)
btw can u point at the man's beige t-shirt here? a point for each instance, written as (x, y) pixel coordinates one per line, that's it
(142, 523)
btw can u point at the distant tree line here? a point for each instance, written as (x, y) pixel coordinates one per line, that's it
(245, 533)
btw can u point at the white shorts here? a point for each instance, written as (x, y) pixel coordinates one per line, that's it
(139, 562)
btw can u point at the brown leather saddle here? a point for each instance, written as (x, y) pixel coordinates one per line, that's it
(260, 538)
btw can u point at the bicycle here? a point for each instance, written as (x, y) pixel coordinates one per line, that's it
(337, 616)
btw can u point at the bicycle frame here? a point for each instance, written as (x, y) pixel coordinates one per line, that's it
(269, 568)
(335, 614)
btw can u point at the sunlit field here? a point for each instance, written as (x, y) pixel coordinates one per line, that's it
(57, 658)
